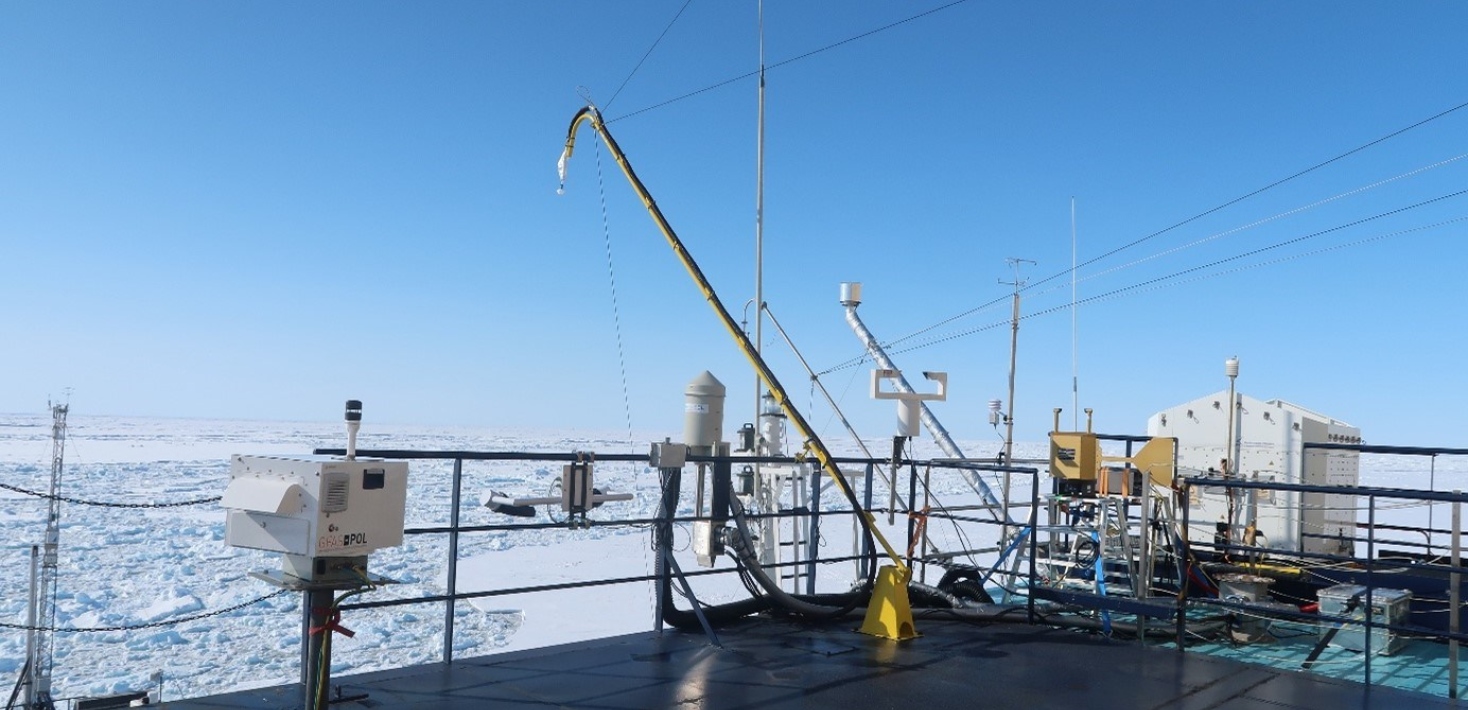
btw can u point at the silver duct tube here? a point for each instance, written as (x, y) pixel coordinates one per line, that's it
(850, 298)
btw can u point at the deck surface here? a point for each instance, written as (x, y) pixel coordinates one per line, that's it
(776, 665)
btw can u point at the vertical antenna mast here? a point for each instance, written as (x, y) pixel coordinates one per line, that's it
(1230, 461)
(1075, 337)
(759, 212)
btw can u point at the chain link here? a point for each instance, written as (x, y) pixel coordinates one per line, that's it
(136, 627)
(107, 504)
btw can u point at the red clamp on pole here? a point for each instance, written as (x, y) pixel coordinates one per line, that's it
(333, 623)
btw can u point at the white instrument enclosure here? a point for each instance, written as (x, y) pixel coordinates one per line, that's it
(315, 506)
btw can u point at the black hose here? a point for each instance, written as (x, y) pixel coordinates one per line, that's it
(921, 595)
(1015, 614)
(662, 541)
(742, 549)
(815, 607)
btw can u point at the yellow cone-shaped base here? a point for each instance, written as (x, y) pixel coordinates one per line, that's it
(890, 615)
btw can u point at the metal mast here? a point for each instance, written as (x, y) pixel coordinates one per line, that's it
(43, 590)
(1230, 462)
(759, 216)
(1019, 285)
(1075, 333)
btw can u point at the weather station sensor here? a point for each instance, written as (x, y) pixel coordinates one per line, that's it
(909, 419)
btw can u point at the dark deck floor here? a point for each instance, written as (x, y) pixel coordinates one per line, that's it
(773, 665)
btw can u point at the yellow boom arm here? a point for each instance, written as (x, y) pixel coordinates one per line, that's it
(590, 115)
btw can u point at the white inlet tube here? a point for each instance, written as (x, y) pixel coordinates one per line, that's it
(851, 298)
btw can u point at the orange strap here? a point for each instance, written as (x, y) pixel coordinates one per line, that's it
(333, 623)
(920, 530)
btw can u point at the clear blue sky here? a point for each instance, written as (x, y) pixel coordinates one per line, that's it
(258, 210)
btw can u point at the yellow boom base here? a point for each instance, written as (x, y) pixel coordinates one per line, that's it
(890, 615)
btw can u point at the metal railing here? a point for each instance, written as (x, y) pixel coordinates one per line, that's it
(455, 529)
(1367, 568)
(1374, 556)
(1020, 538)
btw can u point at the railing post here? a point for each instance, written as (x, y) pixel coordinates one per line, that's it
(452, 583)
(1034, 541)
(1455, 580)
(1146, 553)
(911, 512)
(813, 551)
(1184, 566)
(669, 477)
(1370, 578)
(866, 541)
(923, 539)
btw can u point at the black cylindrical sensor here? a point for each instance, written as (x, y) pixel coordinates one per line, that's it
(354, 410)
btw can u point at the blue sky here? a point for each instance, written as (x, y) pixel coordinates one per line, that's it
(257, 210)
